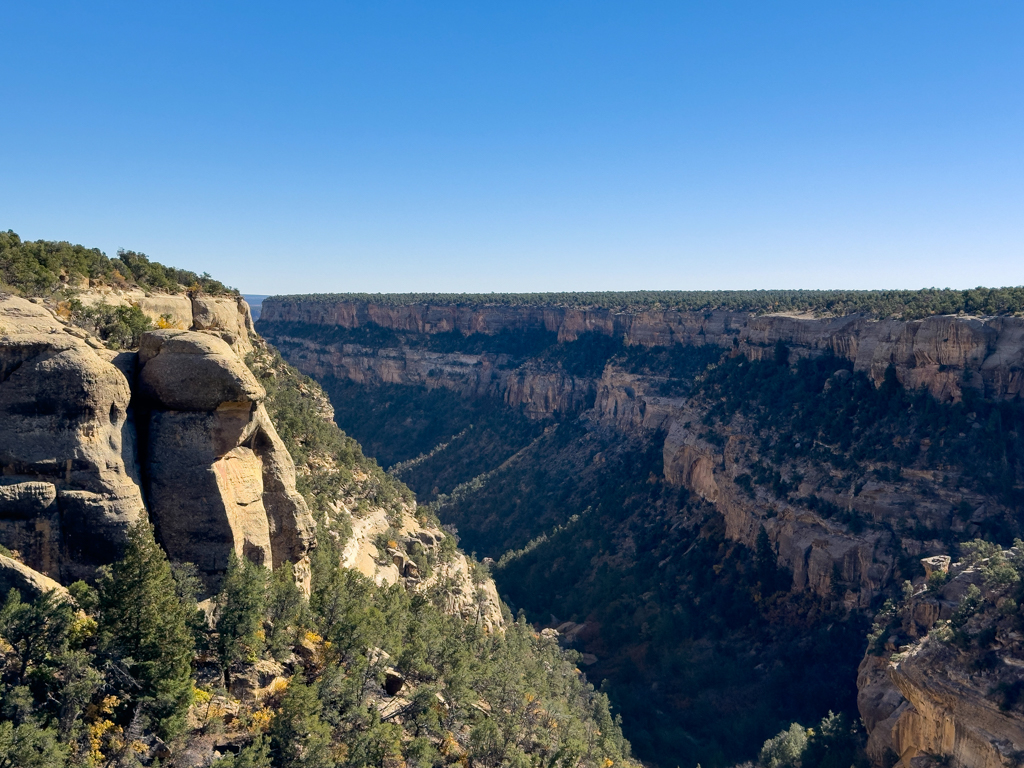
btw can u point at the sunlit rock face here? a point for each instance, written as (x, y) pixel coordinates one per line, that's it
(87, 434)
(70, 486)
(944, 354)
(210, 446)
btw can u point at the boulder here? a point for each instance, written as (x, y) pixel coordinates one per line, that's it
(189, 371)
(936, 564)
(227, 316)
(31, 584)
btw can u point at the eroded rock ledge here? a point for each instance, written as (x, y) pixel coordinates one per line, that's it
(941, 353)
(941, 684)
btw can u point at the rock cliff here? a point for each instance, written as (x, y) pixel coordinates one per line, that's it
(93, 440)
(210, 445)
(225, 316)
(70, 487)
(942, 679)
(944, 354)
(88, 434)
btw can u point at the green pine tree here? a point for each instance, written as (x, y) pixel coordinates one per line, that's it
(240, 612)
(145, 626)
(301, 739)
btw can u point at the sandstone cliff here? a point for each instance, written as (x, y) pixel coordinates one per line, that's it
(944, 354)
(70, 487)
(210, 445)
(87, 434)
(944, 686)
(93, 440)
(227, 317)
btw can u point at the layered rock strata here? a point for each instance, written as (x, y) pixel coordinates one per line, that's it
(825, 556)
(944, 354)
(541, 391)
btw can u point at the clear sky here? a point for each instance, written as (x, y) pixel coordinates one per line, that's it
(518, 146)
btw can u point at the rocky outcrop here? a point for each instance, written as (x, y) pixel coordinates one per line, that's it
(29, 583)
(687, 465)
(70, 484)
(210, 446)
(227, 317)
(461, 595)
(948, 690)
(944, 354)
(85, 430)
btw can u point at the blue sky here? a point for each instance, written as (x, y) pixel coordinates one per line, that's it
(482, 146)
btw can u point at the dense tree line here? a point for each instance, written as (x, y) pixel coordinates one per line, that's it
(906, 304)
(45, 267)
(107, 677)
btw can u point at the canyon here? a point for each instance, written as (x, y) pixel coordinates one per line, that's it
(944, 355)
(846, 533)
(710, 507)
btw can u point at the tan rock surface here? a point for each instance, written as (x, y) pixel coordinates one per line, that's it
(477, 603)
(31, 584)
(189, 371)
(67, 446)
(941, 699)
(941, 353)
(227, 316)
(175, 309)
(220, 479)
(952, 711)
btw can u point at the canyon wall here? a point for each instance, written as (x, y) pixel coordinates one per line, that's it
(944, 354)
(941, 686)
